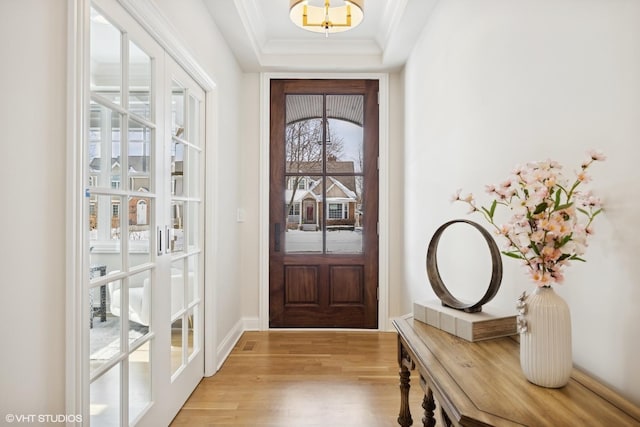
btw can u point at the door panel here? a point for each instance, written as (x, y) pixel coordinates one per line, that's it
(145, 154)
(323, 248)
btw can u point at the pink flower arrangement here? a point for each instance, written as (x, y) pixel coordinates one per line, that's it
(544, 230)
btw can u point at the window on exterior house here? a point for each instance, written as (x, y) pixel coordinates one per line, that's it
(115, 210)
(337, 211)
(115, 182)
(294, 209)
(302, 185)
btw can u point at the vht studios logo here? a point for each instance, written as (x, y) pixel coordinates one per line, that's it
(43, 418)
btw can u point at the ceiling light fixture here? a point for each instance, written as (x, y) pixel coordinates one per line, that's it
(326, 19)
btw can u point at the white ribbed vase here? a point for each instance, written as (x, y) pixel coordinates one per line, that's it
(545, 347)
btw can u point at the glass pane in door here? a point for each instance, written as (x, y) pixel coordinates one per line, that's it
(176, 345)
(139, 81)
(177, 110)
(192, 339)
(304, 149)
(177, 287)
(104, 396)
(193, 171)
(104, 336)
(139, 380)
(139, 156)
(104, 146)
(345, 143)
(343, 215)
(303, 212)
(177, 168)
(104, 234)
(193, 213)
(106, 68)
(139, 209)
(193, 126)
(140, 298)
(176, 232)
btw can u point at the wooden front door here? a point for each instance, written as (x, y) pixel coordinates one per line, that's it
(323, 242)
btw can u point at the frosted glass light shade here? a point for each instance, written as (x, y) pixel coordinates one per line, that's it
(318, 22)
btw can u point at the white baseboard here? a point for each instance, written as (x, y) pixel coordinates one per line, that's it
(251, 323)
(228, 342)
(231, 339)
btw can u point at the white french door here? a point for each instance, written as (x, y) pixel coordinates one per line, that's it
(184, 174)
(144, 170)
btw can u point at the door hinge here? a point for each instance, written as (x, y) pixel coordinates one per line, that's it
(378, 228)
(378, 294)
(378, 97)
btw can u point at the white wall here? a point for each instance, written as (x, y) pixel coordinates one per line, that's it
(397, 283)
(495, 83)
(249, 170)
(32, 258)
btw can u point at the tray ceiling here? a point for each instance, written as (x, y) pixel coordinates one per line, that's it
(264, 39)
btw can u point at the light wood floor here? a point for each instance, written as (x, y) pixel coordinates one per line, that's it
(319, 379)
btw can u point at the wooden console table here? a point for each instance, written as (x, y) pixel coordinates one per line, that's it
(481, 384)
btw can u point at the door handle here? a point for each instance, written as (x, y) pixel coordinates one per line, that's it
(276, 237)
(159, 241)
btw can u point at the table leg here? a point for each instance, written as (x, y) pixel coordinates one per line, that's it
(445, 418)
(429, 405)
(404, 418)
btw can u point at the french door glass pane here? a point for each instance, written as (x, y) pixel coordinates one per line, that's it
(177, 168)
(176, 345)
(193, 172)
(139, 209)
(140, 297)
(139, 380)
(192, 339)
(193, 133)
(192, 225)
(139, 82)
(104, 232)
(176, 232)
(104, 337)
(104, 146)
(104, 395)
(177, 287)
(139, 156)
(192, 277)
(177, 110)
(106, 68)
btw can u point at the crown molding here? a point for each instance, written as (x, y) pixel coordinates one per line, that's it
(162, 30)
(394, 13)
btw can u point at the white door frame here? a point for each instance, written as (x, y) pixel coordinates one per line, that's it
(78, 93)
(383, 190)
